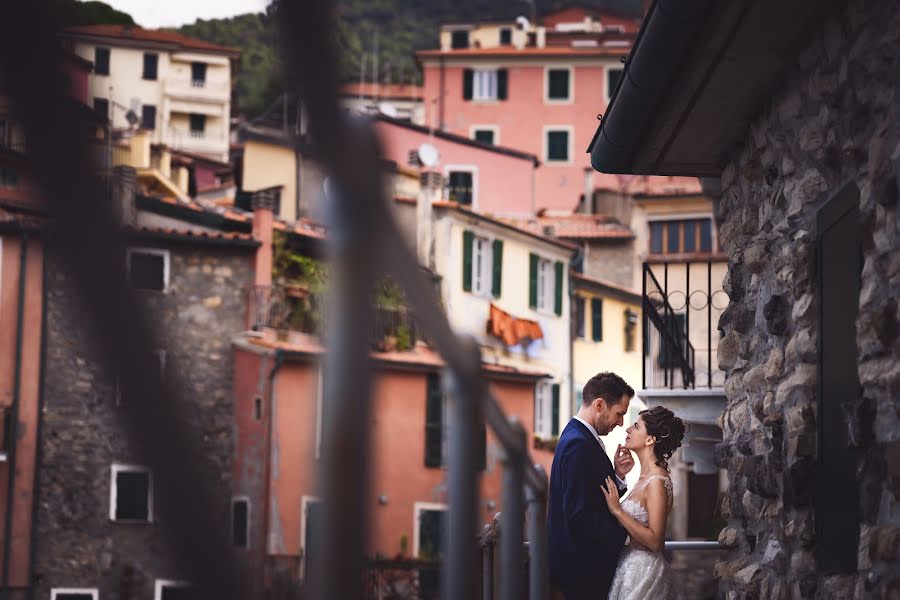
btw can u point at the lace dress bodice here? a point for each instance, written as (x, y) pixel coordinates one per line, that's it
(641, 574)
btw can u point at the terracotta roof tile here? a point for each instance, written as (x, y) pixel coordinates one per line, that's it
(140, 34)
(393, 90)
(194, 233)
(576, 227)
(511, 52)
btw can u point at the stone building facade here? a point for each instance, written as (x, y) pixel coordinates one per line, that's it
(79, 544)
(832, 126)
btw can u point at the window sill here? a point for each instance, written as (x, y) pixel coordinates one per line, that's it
(557, 163)
(547, 443)
(563, 101)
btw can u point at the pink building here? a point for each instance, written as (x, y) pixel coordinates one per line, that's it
(532, 87)
(488, 177)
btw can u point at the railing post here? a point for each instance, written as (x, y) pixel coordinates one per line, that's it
(465, 395)
(487, 566)
(538, 577)
(511, 540)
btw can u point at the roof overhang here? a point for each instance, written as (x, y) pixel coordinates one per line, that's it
(698, 75)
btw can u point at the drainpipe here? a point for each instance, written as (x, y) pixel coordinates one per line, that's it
(13, 430)
(279, 361)
(442, 124)
(39, 457)
(573, 261)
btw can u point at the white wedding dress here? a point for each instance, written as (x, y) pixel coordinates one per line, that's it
(641, 574)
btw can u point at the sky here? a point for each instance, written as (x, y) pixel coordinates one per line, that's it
(171, 13)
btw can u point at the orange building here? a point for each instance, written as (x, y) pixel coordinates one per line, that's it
(278, 404)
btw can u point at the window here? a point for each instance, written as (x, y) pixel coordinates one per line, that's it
(309, 527)
(557, 148)
(631, 320)
(481, 266)
(459, 39)
(172, 590)
(546, 409)
(9, 177)
(484, 135)
(437, 426)
(73, 594)
(597, 319)
(505, 36)
(257, 408)
(148, 269)
(148, 117)
(558, 84)
(131, 494)
(485, 84)
(612, 80)
(101, 61)
(198, 74)
(101, 108)
(545, 284)
(460, 187)
(682, 236)
(240, 522)
(579, 317)
(430, 530)
(151, 62)
(198, 125)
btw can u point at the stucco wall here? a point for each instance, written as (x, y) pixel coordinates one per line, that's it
(267, 165)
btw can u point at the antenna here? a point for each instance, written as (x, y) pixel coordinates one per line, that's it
(428, 155)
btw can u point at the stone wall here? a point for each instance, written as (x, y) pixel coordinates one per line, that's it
(834, 120)
(612, 261)
(77, 543)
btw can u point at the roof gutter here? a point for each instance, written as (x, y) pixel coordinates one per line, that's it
(670, 28)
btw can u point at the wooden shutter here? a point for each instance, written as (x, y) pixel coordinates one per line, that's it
(532, 280)
(497, 282)
(468, 83)
(434, 426)
(596, 319)
(468, 242)
(554, 413)
(557, 305)
(502, 83)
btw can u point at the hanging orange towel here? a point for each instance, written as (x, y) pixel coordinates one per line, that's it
(510, 329)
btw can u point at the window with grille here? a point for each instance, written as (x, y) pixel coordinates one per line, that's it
(459, 187)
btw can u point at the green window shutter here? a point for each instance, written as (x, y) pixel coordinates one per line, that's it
(496, 284)
(502, 84)
(434, 426)
(468, 241)
(559, 288)
(532, 280)
(554, 419)
(468, 83)
(597, 319)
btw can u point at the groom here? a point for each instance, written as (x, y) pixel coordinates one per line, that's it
(585, 539)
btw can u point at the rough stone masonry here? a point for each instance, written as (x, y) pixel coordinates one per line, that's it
(834, 120)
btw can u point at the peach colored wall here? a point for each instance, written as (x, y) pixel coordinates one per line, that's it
(29, 390)
(397, 455)
(522, 118)
(504, 184)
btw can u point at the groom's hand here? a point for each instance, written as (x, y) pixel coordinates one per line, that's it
(624, 462)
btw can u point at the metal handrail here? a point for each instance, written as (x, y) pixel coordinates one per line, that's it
(675, 339)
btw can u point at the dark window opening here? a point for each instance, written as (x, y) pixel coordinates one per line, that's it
(558, 145)
(151, 62)
(74, 596)
(432, 533)
(579, 317)
(459, 39)
(505, 36)
(558, 84)
(148, 117)
(101, 108)
(257, 408)
(485, 136)
(177, 592)
(240, 515)
(101, 61)
(198, 125)
(198, 74)
(612, 80)
(132, 496)
(459, 187)
(147, 271)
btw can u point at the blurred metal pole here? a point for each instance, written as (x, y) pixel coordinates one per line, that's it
(538, 578)
(513, 520)
(464, 393)
(487, 563)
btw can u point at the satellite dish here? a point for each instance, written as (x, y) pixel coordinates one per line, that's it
(387, 109)
(428, 155)
(132, 117)
(523, 23)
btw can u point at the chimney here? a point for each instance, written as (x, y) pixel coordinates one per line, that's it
(541, 37)
(123, 188)
(587, 206)
(430, 188)
(263, 203)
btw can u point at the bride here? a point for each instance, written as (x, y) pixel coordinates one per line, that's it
(642, 571)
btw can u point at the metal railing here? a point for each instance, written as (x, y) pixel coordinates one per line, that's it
(678, 315)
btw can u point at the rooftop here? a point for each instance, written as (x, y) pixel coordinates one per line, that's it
(133, 35)
(393, 91)
(575, 226)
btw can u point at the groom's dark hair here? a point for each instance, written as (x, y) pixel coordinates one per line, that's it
(608, 386)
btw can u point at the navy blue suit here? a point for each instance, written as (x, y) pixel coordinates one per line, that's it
(585, 539)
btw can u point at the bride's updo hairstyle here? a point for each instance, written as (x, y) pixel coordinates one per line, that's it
(668, 430)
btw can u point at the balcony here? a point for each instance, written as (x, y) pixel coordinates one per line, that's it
(204, 142)
(201, 90)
